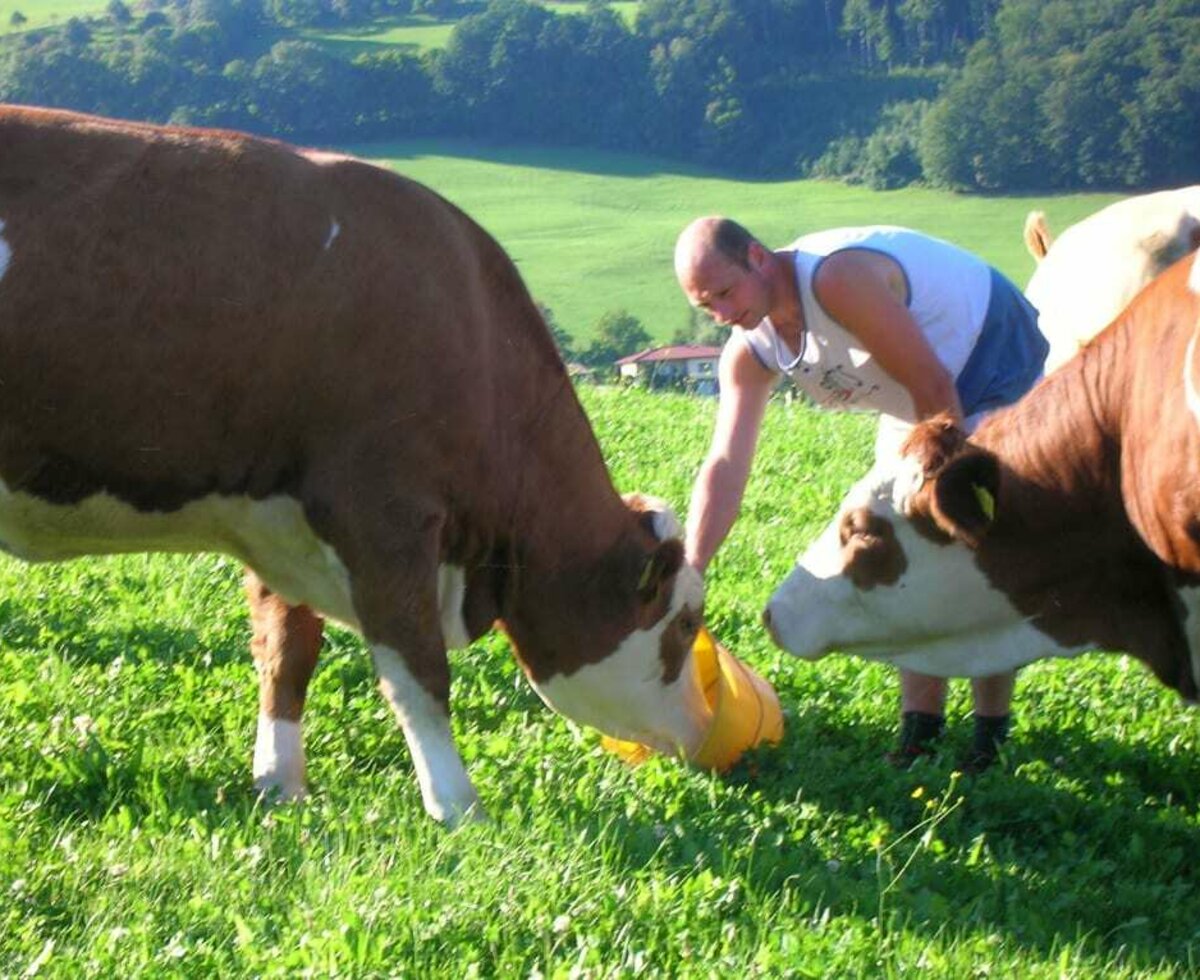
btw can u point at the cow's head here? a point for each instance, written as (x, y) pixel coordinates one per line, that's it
(623, 662)
(895, 576)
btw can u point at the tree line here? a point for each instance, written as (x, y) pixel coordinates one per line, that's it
(982, 95)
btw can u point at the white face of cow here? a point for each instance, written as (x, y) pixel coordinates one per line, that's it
(626, 695)
(881, 583)
(646, 690)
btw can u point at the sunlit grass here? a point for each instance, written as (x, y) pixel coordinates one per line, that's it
(130, 843)
(46, 13)
(414, 33)
(422, 32)
(626, 9)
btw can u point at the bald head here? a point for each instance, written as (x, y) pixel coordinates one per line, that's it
(709, 236)
(725, 270)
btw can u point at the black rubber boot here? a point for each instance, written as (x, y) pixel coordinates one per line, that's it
(991, 732)
(918, 731)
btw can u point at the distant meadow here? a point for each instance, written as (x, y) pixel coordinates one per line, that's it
(423, 32)
(595, 232)
(46, 13)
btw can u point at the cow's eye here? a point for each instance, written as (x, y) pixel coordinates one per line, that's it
(689, 621)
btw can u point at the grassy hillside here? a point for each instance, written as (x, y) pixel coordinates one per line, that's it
(421, 32)
(413, 33)
(44, 13)
(595, 232)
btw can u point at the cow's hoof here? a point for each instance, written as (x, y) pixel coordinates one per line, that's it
(452, 816)
(270, 791)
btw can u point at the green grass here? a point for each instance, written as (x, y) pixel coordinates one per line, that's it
(626, 9)
(130, 844)
(414, 33)
(46, 13)
(595, 232)
(421, 32)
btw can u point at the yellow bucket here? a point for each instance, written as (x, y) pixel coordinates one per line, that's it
(745, 710)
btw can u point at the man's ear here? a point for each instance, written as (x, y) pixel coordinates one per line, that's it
(965, 494)
(756, 252)
(659, 567)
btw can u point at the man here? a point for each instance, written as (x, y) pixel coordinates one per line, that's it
(859, 318)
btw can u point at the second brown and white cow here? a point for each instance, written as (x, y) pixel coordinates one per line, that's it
(1089, 273)
(214, 342)
(1069, 521)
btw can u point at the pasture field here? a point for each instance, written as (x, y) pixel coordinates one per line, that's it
(595, 232)
(131, 845)
(414, 33)
(423, 32)
(46, 13)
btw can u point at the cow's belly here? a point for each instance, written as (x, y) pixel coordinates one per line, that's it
(270, 535)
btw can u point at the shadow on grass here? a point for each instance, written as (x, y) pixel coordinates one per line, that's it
(78, 639)
(601, 163)
(1066, 837)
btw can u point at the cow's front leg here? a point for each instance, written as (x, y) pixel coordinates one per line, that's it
(392, 548)
(285, 644)
(1188, 595)
(446, 789)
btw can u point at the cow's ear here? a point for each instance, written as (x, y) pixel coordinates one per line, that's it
(655, 515)
(660, 566)
(964, 496)
(932, 442)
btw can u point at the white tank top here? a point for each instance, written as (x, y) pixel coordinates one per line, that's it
(948, 294)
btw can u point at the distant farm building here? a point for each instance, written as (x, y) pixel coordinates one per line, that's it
(689, 366)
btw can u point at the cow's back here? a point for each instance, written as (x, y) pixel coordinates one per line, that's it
(1091, 272)
(186, 312)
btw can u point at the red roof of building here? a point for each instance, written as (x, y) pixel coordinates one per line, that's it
(680, 352)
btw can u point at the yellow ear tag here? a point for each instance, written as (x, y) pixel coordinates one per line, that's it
(987, 502)
(646, 573)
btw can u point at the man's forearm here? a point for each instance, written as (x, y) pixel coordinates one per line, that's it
(716, 499)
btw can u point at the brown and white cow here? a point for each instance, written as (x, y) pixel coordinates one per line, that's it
(1069, 521)
(1089, 274)
(215, 342)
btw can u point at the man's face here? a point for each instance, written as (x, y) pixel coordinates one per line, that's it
(731, 294)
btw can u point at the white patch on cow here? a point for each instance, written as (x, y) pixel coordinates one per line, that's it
(663, 522)
(1096, 266)
(270, 535)
(334, 230)
(942, 616)
(666, 524)
(279, 768)
(623, 695)
(5, 252)
(1189, 378)
(910, 477)
(326, 158)
(452, 590)
(1189, 597)
(446, 788)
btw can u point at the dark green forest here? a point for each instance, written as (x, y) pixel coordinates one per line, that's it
(977, 95)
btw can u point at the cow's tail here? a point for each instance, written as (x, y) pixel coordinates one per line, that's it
(1037, 234)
